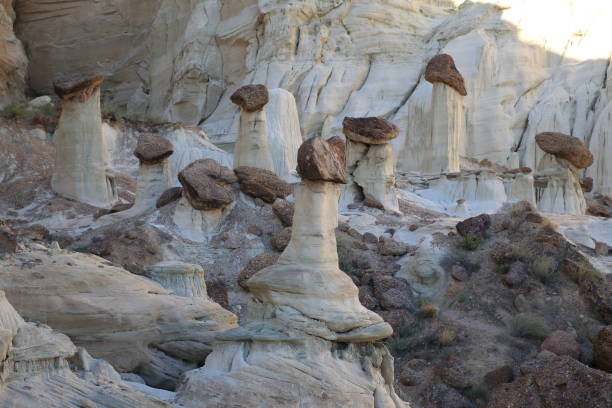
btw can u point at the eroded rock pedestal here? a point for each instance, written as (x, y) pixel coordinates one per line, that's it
(80, 151)
(308, 341)
(557, 177)
(370, 162)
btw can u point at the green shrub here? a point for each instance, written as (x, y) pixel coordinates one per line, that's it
(530, 325)
(502, 269)
(15, 111)
(447, 336)
(543, 267)
(470, 242)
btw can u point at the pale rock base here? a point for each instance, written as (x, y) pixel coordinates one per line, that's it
(196, 225)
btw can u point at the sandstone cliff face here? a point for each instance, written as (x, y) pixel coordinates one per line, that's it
(13, 61)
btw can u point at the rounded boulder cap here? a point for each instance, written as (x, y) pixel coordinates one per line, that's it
(441, 68)
(319, 160)
(153, 148)
(78, 84)
(566, 147)
(369, 130)
(251, 98)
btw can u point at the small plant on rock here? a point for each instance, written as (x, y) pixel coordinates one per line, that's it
(428, 310)
(543, 267)
(530, 325)
(447, 336)
(470, 242)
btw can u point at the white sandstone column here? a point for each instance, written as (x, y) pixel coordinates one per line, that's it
(186, 280)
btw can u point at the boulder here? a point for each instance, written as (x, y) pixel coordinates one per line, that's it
(170, 195)
(517, 273)
(602, 349)
(81, 86)
(281, 240)
(559, 381)
(207, 185)
(476, 226)
(566, 147)
(452, 372)
(260, 183)
(441, 68)
(251, 98)
(255, 265)
(319, 160)
(371, 131)
(439, 395)
(391, 292)
(501, 375)
(284, 211)
(562, 343)
(587, 184)
(153, 148)
(8, 241)
(390, 247)
(339, 145)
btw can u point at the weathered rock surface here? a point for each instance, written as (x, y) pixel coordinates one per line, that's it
(260, 183)
(369, 130)
(602, 349)
(476, 226)
(566, 147)
(319, 160)
(170, 195)
(441, 68)
(183, 279)
(153, 148)
(255, 265)
(207, 184)
(562, 343)
(77, 86)
(13, 60)
(251, 98)
(132, 322)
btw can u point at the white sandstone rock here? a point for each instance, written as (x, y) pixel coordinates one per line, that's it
(447, 134)
(197, 225)
(252, 148)
(375, 174)
(183, 279)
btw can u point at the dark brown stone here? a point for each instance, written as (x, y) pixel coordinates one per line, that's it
(339, 145)
(366, 297)
(260, 183)
(562, 343)
(452, 372)
(439, 395)
(390, 247)
(372, 202)
(602, 349)
(441, 68)
(121, 207)
(391, 292)
(476, 226)
(217, 291)
(35, 232)
(566, 147)
(597, 294)
(281, 240)
(153, 148)
(459, 273)
(255, 230)
(523, 170)
(207, 184)
(284, 211)
(516, 274)
(370, 130)
(79, 85)
(320, 161)
(587, 184)
(561, 381)
(501, 375)
(255, 265)
(8, 241)
(251, 98)
(170, 195)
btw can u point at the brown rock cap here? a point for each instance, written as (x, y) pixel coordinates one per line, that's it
(207, 184)
(251, 98)
(77, 85)
(566, 147)
(260, 183)
(369, 130)
(255, 265)
(319, 160)
(153, 148)
(441, 68)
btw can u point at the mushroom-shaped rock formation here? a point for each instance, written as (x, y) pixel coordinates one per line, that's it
(207, 198)
(183, 279)
(321, 160)
(260, 183)
(153, 148)
(251, 98)
(447, 115)
(80, 171)
(567, 147)
(252, 148)
(369, 162)
(442, 69)
(557, 179)
(305, 305)
(370, 131)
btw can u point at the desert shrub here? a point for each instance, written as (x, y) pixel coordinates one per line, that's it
(502, 269)
(543, 267)
(470, 242)
(447, 336)
(15, 111)
(428, 310)
(581, 270)
(530, 325)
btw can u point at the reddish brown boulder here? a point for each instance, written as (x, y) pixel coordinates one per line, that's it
(281, 240)
(560, 382)
(255, 265)
(207, 185)
(80, 86)
(340, 146)
(475, 226)
(391, 292)
(566, 147)
(284, 211)
(587, 184)
(153, 148)
(320, 161)
(391, 247)
(602, 349)
(369, 130)
(217, 291)
(452, 372)
(562, 343)
(170, 195)
(441, 68)
(260, 183)
(501, 375)
(251, 98)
